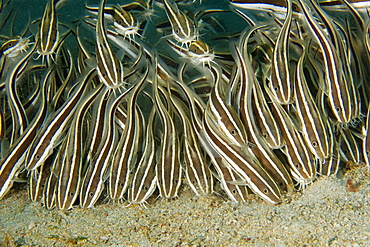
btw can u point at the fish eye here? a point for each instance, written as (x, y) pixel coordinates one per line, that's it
(146, 188)
(265, 135)
(193, 182)
(233, 191)
(71, 194)
(233, 132)
(91, 194)
(276, 88)
(266, 191)
(337, 109)
(37, 156)
(314, 144)
(177, 31)
(195, 50)
(176, 181)
(297, 165)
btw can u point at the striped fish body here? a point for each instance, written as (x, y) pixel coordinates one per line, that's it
(16, 156)
(281, 83)
(242, 162)
(270, 163)
(168, 170)
(18, 113)
(264, 119)
(110, 70)
(144, 181)
(315, 127)
(183, 28)
(301, 164)
(200, 53)
(330, 166)
(54, 126)
(95, 176)
(336, 86)
(123, 21)
(50, 190)
(12, 48)
(349, 149)
(125, 156)
(92, 183)
(227, 177)
(227, 118)
(70, 173)
(38, 180)
(196, 167)
(48, 34)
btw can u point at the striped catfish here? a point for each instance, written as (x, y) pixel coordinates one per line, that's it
(345, 54)
(96, 132)
(123, 21)
(196, 166)
(94, 178)
(54, 126)
(314, 124)
(280, 81)
(264, 120)
(330, 166)
(168, 169)
(18, 113)
(200, 53)
(197, 108)
(241, 160)
(16, 155)
(125, 155)
(83, 53)
(301, 164)
(51, 186)
(224, 114)
(12, 48)
(70, 173)
(109, 68)
(336, 86)
(227, 177)
(183, 28)
(349, 148)
(144, 181)
(268, 160)
(48, 35)
(38, 180)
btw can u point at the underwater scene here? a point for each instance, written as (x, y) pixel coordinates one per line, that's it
(130, 101)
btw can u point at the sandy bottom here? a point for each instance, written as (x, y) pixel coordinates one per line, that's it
(332, 211)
